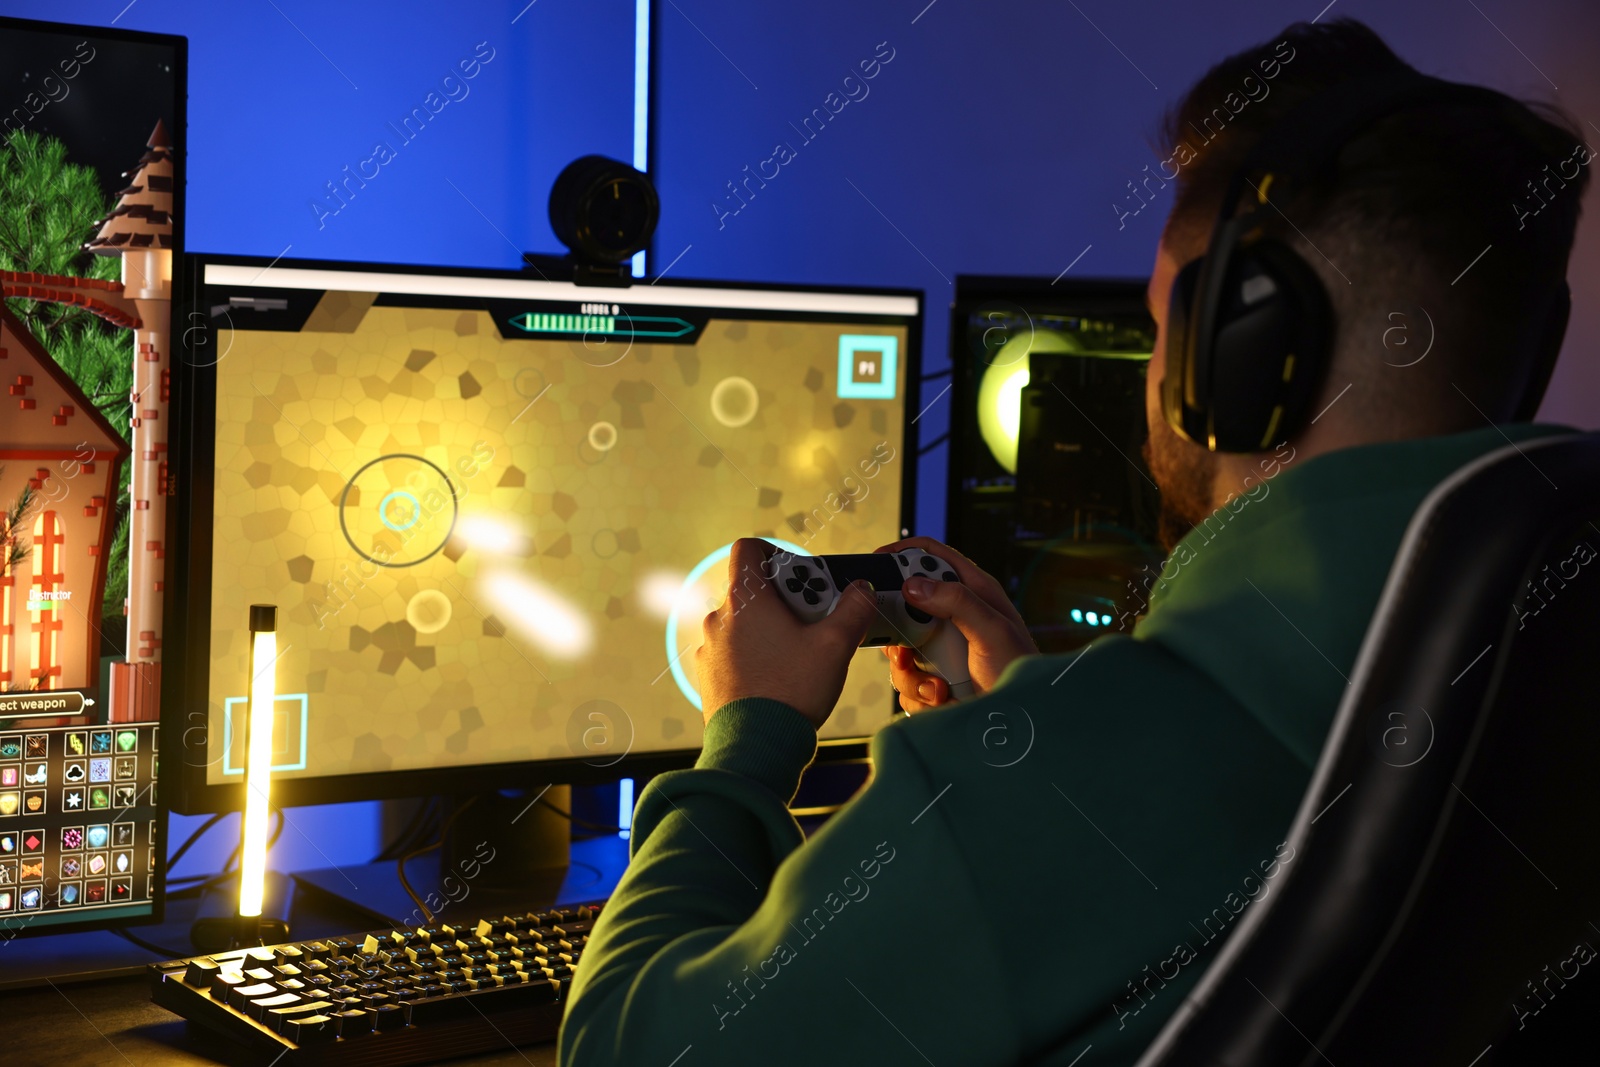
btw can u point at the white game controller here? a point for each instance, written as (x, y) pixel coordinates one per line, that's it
(811, 586)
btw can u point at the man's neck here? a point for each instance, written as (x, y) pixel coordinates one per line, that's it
(1237, 472)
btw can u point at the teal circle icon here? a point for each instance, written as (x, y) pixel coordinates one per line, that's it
(411, 518)
(674, 654)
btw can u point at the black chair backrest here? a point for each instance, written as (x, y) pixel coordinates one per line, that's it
(1446, 872)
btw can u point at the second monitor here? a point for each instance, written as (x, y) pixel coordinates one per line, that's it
(492, 510)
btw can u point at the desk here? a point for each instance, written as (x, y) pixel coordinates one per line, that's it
(113, 1022)
(84, 998)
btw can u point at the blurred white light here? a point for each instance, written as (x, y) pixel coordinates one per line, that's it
(492, 535)
(659, 592)
(536, 612)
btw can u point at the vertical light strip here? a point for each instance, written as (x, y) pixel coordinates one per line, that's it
(641, 101)
(258, 759)
(625, 805)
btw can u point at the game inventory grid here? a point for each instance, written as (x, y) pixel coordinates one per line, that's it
(78, 822)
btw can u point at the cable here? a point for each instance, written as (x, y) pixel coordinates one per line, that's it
(172, 860)
(400, 864)
(160, 951)
(936, 374)
(409, 836)
(933, 444)
(593, 827)
(196, 884)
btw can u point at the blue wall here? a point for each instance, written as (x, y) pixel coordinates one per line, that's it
(999, 137)
(284, 95)
(996, 139)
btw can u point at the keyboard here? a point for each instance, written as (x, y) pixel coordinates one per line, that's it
(389, 996)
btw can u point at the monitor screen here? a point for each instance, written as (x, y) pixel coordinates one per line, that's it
(91, 183)
(492, 510)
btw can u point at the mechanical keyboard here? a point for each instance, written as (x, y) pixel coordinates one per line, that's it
(390, 996)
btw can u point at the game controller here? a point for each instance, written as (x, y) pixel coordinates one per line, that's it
(812, 585)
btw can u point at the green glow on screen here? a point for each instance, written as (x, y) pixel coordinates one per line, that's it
(1000, 389)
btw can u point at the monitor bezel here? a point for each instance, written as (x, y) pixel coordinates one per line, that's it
(180, 166)
(185, 677)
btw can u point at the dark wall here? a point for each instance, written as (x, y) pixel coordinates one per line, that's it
(1000, 136)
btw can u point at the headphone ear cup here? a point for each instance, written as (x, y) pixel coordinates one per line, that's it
(1181, 399)
(1269, 352)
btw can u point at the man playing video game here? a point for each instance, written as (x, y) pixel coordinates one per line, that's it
(1041, 873)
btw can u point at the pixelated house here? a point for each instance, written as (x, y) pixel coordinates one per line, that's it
(54, 440)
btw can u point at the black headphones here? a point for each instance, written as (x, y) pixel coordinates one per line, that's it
(1250, 327)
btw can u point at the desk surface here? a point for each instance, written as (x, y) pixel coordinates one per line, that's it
(67, 1016)
(105, 1023)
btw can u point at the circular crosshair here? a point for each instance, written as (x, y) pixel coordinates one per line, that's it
(398, 476)
(602, 437)
(429, 611)
(735, 401)
(675, 655)
(416, 510)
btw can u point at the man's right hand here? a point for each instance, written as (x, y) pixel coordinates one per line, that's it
(978, 607)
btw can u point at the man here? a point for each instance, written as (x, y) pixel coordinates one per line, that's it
(1040, 874)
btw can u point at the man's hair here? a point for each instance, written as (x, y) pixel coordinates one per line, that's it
(1411, 201)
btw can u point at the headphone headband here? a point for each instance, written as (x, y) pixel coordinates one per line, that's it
(1250, 332)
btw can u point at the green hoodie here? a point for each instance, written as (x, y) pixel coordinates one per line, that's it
(1037, 875)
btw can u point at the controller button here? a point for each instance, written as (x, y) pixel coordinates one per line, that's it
(929, 563)
(901, 559)
(811, 598)
(793, 585)
(802, 573)
(918, 615)
(948, 576)
(818, 584)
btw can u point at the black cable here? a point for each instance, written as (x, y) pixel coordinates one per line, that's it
(196, 884)
(400, 864)
(415, 831)
(594, 827)
(936, 374)
(933, 444)
(161, 951)
(419, 830)
(172, 860)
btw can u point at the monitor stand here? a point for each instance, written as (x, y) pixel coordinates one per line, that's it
(503, 855)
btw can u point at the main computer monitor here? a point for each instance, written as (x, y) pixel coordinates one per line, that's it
(1048, 489)
(492, 510)
(91, 194)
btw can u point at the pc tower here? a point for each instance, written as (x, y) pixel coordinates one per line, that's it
(1048, 489)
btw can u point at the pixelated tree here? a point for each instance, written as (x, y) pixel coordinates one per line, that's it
(14, 528)
(48, 207)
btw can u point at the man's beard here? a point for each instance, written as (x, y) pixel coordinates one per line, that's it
(1184, 473)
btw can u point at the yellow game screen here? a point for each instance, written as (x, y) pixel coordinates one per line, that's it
(492, 515)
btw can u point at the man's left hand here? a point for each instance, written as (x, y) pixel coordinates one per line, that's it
(755, 647)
